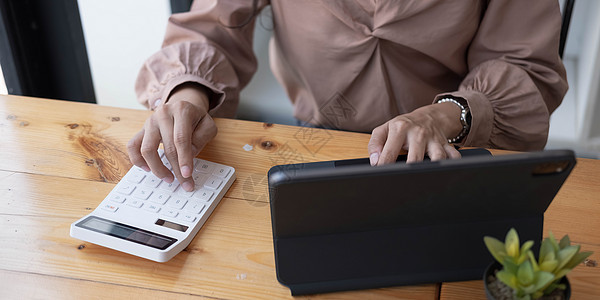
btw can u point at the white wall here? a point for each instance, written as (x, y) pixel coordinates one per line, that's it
(120, 35)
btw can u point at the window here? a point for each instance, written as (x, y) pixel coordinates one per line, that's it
(3, 90)
(576, 122)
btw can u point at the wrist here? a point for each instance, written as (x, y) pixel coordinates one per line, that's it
(191, 92)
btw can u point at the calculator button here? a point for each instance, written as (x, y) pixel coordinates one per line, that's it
(171, 187)
(177, 203)
(110, 207)
(152, 181)
(159, 197)
(221, 172)
(142, 193)
(135, 203)
(152, 208)
(170, 212)
(213, 183)
(203, 195)
(125, 188)
(117, 198)
(195, 208)
(183, 193)
(136, 175)
(187, 218)
(199, 179)
(203, 167)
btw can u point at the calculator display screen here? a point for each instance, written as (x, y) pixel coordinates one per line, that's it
(127, 232)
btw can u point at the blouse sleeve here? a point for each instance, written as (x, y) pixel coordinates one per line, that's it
(206, 46)
(516, 78)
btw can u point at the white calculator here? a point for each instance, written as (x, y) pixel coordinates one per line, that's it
(150, 218)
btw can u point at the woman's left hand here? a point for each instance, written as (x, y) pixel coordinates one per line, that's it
(423, 131)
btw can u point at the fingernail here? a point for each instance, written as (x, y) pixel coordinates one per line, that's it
(145, 168)
(374, 158)
(168, 179)
(188, 186)
(186, 171)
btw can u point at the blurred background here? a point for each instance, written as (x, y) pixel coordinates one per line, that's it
(91, 51)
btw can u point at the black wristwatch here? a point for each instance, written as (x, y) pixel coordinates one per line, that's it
(465, 117)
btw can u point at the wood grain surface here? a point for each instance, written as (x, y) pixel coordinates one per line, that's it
(61, 159)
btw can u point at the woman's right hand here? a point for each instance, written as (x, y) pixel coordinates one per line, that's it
(184, 127)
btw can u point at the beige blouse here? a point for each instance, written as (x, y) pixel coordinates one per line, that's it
(354, 65)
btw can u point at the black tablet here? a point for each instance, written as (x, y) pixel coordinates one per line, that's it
(340, 225)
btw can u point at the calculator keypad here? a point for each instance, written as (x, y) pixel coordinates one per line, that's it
(109, 207)
(143, 190)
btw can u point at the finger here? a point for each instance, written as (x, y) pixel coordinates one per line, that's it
(396, 139)
(436, 151)
(133, 148)
(149, 148)
(183, 126)
(166, 131)
(417, 142)
(204, 132)
(376, 143)
(186, 183)
(451, 152)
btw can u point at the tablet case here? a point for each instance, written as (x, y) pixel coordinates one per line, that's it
(342, 225)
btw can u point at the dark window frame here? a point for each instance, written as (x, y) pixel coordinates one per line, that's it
(42, 50)
(179, 6)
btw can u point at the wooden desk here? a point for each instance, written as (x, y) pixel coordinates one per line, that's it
(59, 159)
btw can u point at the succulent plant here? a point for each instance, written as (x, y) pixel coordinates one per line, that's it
(530, 278)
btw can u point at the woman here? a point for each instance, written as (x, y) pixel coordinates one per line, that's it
(417, 74)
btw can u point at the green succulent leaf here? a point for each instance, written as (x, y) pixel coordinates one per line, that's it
(577, 259)
(549, 265)
(525, 274)
(510, 266)
(495, 247)
(508, 279)
(537, 295)
(542, 279)
(528, 289)
(534, 263)
(545, 250)
(522, 258)
(553, 241)
(566, 254)
(526, 246)
(564, 242)
(524, 249)
(512, 243)
(551, 256)
(560, 274)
